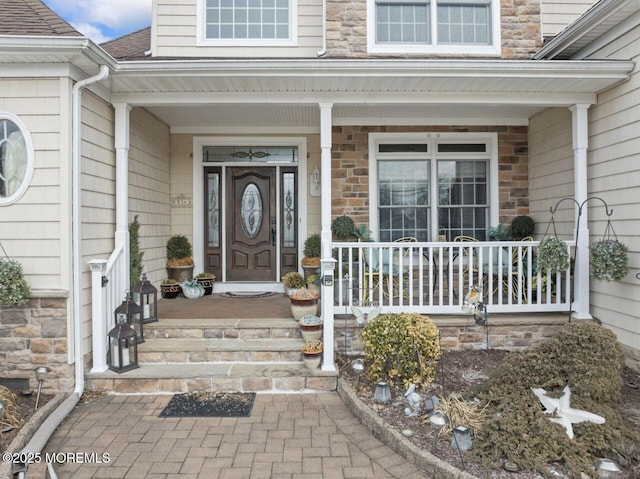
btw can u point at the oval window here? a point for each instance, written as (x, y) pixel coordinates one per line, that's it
(251, 210)
(16, 159)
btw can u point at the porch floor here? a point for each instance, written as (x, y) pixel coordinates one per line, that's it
(216, 306)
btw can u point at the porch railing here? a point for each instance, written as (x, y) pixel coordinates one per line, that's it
(434, 277)
(107, 290)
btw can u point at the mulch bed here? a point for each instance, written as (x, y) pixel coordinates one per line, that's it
(459, 372)
(25, 404)
(209, 405)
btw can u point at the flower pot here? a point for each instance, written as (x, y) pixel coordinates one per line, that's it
(180, 273)
(303, 307)
(169, 291)
(312, 360)
(207, 284)
(310, 327)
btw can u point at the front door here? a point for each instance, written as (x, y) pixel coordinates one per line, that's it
(251, 224)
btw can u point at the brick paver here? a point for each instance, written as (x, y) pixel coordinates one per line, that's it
(287, 436)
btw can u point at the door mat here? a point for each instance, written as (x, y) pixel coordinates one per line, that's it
(219, 404)
(247, 295)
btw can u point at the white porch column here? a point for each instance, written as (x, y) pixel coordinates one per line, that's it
(122, 127)
(580, 127)
(328, 262)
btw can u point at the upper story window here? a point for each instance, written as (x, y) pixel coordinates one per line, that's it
(16, 159)
(434, 26)
(247, 22)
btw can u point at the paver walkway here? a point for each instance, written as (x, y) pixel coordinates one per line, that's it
(287, 436)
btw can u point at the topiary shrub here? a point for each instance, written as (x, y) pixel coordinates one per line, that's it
(179, 251)
(343, 227)
(312, 246)
(522, 226)
(401, 348)
(135, 254)
(14, 289)
(587, 358)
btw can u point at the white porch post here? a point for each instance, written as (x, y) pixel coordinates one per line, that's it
(328, 262)
(122, 127)
(99, 324)
(580, 127)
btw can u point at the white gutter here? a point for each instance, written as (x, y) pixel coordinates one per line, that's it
(42, 435)
(323, 52)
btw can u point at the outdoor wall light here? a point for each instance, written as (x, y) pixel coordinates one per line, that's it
(461, 439)
(382, 393)
(41, 376)
(608, 469)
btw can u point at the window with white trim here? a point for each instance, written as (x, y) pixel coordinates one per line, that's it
(16, 159)
(433, 26)
(248, 21)
(432, 188)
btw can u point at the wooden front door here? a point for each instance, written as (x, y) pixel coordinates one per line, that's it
(251, 224)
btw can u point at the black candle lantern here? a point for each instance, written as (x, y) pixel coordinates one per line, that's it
(146, 296)
(123, 348)
(130, 313)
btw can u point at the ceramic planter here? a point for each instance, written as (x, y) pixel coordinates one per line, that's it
(207, 284)
(303, 303)
(180, 273)
(311, 327)
(312, 353)
(169, 291)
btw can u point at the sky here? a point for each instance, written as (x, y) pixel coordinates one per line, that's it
(103, 20)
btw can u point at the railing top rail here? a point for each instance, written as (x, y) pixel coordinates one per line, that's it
(115, 254)
(436, 244)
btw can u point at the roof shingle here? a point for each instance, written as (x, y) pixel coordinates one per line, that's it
(32, 17)
(129, 47)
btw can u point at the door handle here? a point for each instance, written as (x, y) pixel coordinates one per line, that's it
(273, 236)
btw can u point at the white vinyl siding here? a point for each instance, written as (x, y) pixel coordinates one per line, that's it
(35, 229)
(556, 15)
(149, 189)
(175, 33)
(614, 174)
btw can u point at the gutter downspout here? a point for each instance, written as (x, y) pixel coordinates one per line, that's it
(323, 52)
(44, 432)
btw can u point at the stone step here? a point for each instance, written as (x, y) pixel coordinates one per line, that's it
(219, 350)
(175, 378)
(222, 328)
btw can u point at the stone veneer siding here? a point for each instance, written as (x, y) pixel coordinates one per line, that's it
(347, 29)
(350, 168)
(34, 335)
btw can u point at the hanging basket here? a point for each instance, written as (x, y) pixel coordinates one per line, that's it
(609, 260)
(552, 255)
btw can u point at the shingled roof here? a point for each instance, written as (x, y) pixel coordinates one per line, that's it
(32, 17)
(130, 47)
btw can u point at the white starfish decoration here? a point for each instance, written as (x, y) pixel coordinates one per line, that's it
(563, 413)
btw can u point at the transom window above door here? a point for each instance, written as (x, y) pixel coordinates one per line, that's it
(248, 22)
(434, 26)
(439, 188)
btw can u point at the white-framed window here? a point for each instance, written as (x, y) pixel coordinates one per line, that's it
(16, 159)
(247, 22)
(432, 185)
(434, 26)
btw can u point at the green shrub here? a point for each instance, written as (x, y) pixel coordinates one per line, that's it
(401, 348)
(179, 251)
(587, 358)
(522, 226)
(343, 227)
(312, 246)
(14, 289)
(135, 254)
(499, 233)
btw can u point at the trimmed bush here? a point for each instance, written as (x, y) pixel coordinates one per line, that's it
(14, 289)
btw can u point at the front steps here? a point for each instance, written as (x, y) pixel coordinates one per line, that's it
(187, 355)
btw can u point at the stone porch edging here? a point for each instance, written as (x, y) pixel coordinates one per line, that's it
(29, 429)
(424, 460)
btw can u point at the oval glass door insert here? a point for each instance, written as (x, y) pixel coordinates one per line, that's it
(251, 210)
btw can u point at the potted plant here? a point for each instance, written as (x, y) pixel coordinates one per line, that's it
(311, 261)
(179, 258)
(310, 327)
(312, 353)
(343, 228)
(313, 283)
(292, 282)
(609, 260)
(552, 255)
(206, 280)
(522, 226)
(303, 302)
(14, 289)
(169, 288)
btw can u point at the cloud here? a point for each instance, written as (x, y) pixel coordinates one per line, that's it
(104, 19)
